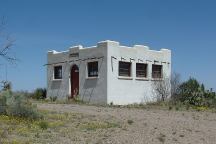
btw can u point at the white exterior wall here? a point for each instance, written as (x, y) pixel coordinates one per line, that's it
(108, 87)
(58, 88)
(93, 90)
(124, 90)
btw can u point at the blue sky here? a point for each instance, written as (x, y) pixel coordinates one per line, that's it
(187, 27)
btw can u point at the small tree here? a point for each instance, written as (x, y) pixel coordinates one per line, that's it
(161, 88)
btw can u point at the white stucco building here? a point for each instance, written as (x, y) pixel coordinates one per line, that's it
(106, 73)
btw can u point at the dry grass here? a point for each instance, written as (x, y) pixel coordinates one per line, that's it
(54, 125)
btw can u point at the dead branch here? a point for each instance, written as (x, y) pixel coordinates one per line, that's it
(6, 44)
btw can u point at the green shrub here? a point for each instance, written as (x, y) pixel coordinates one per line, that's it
(43, 125)
(17, 105)
(111, 103)
(39, 93)
(170, 107)
(193, 93)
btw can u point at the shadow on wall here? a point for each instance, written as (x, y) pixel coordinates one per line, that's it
(90, 83)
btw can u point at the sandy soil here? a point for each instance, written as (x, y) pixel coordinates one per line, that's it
(142, 126)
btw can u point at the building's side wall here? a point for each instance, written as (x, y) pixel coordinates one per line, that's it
(128, 91)
(92, 90)
(57, 88)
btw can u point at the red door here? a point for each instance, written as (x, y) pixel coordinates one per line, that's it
(74, 81)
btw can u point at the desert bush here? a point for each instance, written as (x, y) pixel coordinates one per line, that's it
(111, 103)
(210, 99)
(39, 93)
(53, 98)
(43, 125)
(17, 105)
(188, 94)
(162, 88)
(193, 93)
(6, 85)
(170, 107)
(177, 108)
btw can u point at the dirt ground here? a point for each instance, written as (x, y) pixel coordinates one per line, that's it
(137, 126)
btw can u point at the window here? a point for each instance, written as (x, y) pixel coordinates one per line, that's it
(156, 71)
(93, 69)
(58, 72)
(141, 70)
(124, 69)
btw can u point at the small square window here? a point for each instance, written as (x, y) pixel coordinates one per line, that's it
(93, 69)
(141, 70)
(156, 71)
(58, 72)
(125, 69)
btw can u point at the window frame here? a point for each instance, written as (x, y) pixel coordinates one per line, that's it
(87, 70)
(54, 72)
(129, 70)
(161, 72)
(146, 71)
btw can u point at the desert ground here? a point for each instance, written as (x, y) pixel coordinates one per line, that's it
(137, 126)
(86, 124)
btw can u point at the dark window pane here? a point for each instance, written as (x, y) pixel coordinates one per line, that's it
(156, 71)
(93, 69)
(125, 69)
(58, 72)
(141, 70)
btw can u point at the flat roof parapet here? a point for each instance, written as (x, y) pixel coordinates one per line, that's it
(165, 50)
(107, 43)
(141, 47)
(52, 52)
(77, 47)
